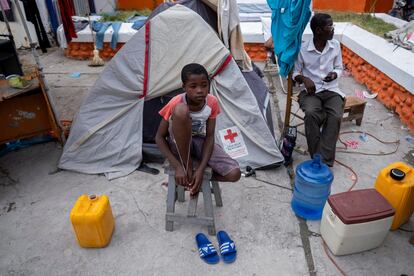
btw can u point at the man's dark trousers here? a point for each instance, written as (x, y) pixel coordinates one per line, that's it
(322, 110)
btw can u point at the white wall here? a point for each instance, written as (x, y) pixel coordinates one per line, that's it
(105, 5)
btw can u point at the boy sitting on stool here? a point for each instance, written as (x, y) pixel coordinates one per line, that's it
(187, 129)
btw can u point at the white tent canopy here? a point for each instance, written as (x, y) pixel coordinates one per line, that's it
(106, 136)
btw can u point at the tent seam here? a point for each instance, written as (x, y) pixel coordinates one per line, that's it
(146, 69)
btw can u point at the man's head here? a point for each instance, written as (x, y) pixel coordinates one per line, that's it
(196, 82)
(322, 26)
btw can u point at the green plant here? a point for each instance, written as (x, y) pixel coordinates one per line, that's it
(123, 15)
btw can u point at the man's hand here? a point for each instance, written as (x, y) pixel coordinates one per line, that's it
(196, 182)
(309, 84)
(181, 177)
(330, 77)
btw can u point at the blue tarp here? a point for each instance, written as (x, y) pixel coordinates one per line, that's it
(23, 143)
(289, 19)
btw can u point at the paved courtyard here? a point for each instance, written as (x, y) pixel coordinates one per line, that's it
(36, 236)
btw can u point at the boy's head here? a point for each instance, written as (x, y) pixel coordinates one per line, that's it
(322, 26)
(196, 83)
(193, 69)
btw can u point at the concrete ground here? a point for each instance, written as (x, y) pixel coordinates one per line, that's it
(36, 199)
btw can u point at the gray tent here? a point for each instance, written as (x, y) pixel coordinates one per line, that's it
(208, 10)
(106, 135)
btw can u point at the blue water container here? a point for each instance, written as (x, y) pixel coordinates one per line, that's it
(312, 187)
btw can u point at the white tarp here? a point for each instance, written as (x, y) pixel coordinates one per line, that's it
(106, 136)
(229, 30)
(179, 37)
(240, 108)
(403, 36)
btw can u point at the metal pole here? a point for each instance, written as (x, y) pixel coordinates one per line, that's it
(271, 71)
(40, 68)
(29, 37)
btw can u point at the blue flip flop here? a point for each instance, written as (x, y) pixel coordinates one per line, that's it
(227, 247)
(206, 249)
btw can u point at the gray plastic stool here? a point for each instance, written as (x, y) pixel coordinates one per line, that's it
(176, 192)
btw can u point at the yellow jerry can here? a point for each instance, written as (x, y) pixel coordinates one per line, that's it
(92, 220)
(396, 184)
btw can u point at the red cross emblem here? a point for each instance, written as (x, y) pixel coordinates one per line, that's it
(230, 135)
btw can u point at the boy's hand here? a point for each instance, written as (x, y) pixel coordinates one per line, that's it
(189, 180)
(181, 177)
(190, 173)
(196, 182)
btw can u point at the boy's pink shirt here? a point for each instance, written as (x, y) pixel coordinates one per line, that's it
(211, 100)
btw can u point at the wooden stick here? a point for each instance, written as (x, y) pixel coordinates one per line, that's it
(288, 102)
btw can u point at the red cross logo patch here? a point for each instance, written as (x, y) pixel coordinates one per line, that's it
(230, 135)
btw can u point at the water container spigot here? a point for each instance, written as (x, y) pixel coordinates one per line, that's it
(317, 163)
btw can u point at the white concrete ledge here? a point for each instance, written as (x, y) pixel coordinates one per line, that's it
(252, 32)
(253, 17)
(398, 64)
(391, 19)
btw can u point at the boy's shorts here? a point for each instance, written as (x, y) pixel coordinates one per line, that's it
(220, 161)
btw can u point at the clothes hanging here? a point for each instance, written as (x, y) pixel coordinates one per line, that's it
(52, 15)
(100, 29)
(80, 24)
(8, 10)
(66, 12)
(289, 19)
(138, 21)
(33, 15)
(5, 4)
(92, 6)
(138, 24)
(116, 26)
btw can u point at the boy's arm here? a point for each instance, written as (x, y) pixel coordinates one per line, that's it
(207, 151)
(162, 133)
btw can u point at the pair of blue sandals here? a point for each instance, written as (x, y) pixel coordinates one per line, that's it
(209, 254)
